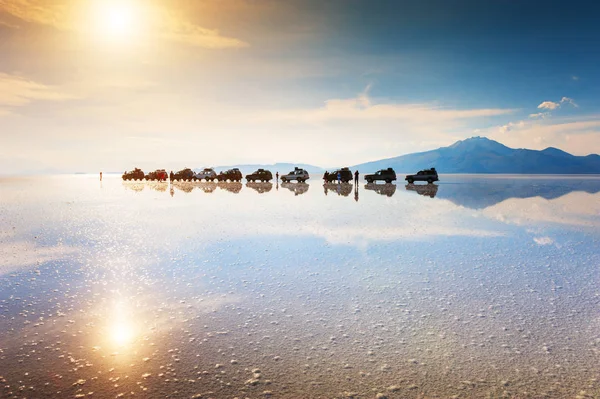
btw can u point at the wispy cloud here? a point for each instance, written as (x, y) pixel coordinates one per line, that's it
(363, 107)
(17, 91)
(160, 22)
(549, 105)
(568, 101)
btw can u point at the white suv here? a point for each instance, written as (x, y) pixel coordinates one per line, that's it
(207, 174)
(300, 175)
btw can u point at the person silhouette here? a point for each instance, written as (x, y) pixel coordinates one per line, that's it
(339, 177)
(356, 177)
(277, 176)
(100, 176)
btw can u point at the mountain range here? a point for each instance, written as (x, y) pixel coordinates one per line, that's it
(473, 155)
(482, 155)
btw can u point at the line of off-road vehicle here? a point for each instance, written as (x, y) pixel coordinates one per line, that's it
(343, 175)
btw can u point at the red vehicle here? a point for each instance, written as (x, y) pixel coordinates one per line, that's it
(158, 175)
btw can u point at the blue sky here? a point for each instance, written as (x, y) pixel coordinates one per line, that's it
(107, 85)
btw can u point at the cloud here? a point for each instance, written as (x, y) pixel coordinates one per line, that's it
(194, 35)
(17, 91)
(159, 22)
(538, 115)
(511, 125)
(549, 105)
(574, 77)
(364, 108)
(569, 101)
(580, 137)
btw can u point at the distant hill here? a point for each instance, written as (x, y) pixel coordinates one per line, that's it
(482, 155)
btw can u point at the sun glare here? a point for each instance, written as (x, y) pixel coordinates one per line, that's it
(121, 333)
(116, 20)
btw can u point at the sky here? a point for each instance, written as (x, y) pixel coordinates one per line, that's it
(106, 85)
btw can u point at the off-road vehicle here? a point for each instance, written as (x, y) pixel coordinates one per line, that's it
(136, 174)
(231, 174)
(428, 175)
(184, 175)
(159, 174)
(387, 175)
(298, 174)
(387, 189)
(207, 174)
(345, 175)
(260, 175)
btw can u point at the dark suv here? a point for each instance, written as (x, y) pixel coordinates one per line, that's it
(136, 174)
(345, 175)
(260, 175)
(184, 175)
(231, 174)
(428, 175)
(388, 175)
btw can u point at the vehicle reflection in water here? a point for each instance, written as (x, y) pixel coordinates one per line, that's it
(158, 186)
(344, 189)
(387, 189)
(137, 186)
(232, 187)
(207, 187)
(296, 188)
(186, 187)
(260, 187)
(429, 190)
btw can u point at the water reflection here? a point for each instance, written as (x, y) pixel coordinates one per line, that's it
(207, 187)
(315, 298)
(158, 186)
(296, 188)
(387, 189)
(133, 186)
(477, 192)
(343, 189)
(185, 186)
(260, 187)
(232, 187)
(428, 190)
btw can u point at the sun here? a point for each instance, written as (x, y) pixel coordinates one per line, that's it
(115, 20)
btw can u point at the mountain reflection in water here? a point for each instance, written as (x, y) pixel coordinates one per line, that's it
(477, 292)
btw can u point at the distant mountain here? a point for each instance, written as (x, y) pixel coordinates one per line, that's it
(282, 168)
(482, 155)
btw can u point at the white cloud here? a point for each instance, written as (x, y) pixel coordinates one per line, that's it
(569, 101)
(538, 115)
(574, 77)
(17, 90)
(549, 105)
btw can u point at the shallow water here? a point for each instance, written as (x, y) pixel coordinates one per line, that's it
(473, 287)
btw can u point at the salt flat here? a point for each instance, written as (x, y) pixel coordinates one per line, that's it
(476, 287)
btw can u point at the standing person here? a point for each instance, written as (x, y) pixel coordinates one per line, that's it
(277, 176)
(356, 177)
(171, 176)
(339, 176)
(100, 176)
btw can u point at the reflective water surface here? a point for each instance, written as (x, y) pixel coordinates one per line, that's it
(473, 287)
